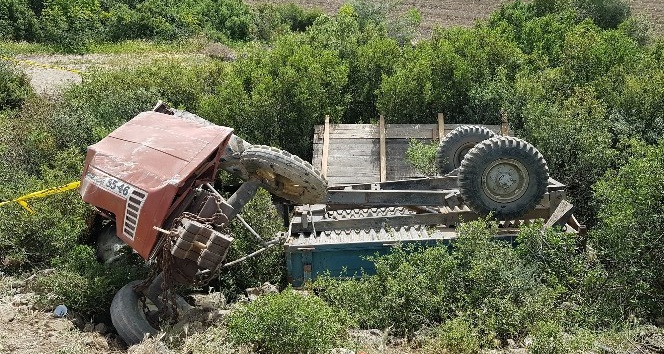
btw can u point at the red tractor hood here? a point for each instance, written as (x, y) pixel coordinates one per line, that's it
(143, 169)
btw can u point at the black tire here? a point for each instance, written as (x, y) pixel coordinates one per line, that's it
(503, 175)
(285, 175)
(128, 317)
(456, 145)
(109, 247)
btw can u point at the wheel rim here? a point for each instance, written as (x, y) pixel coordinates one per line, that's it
(505, 180)
(278, 181)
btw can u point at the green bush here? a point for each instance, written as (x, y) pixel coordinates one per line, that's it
(71, 26)
(33, 240)
(605, 13)
(272, 20)
(83, 284)
(270, 265)
(464, 73)
(170, 20)
(17, 21)
(14, 87)
(422, 156)
(455, 336)
(481, 280)
(287, 322)
(548, 339)
(628, 235)
(276, 97)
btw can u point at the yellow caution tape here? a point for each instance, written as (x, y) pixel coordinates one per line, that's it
(42, 65)
(40, 194)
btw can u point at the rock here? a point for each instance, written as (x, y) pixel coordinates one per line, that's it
(375, 332)
(511, 343)
(342, 351)
(214, 316)
(61, 325)
(101, 328)
(253, 293)
(528, 341)
(268, 288)
(8, 314)
(213, 300)
(219, 51)
(89, 327)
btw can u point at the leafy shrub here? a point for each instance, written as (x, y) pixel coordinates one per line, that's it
(85, 285)
(455, 336)
(17, 21)
(272, 20)
(401, 26)
(627, 237)
(422, 156)
(14, 87)
(287, 322)
(71, 26)
(548, 339)
(449, 74)
(232, 19)
(33, 240)
(275, 97)
(605, 13)
(482, 281)
(269, 266)
(171, 20)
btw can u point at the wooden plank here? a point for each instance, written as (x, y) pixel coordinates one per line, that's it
(353, 141)
(504, 126)
(441, 126)
(354, 161)
(326, 146)
(353, 134)
(383, 150)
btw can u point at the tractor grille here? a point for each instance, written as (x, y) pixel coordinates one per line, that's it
(133, 210)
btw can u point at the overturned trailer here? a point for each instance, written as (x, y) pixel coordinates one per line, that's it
(483, 173)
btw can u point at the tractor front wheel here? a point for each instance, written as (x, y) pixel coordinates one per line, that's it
(285, 175)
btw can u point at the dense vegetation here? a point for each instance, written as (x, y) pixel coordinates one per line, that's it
(580, 79)
(73, 25)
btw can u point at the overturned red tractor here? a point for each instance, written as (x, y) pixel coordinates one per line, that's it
(153, 178)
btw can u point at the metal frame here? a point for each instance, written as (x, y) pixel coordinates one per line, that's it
(435, 201)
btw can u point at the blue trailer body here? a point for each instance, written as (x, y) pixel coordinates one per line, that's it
(339, 260)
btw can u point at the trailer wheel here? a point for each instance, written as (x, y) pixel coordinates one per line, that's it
(503, 175)
(128, 316)
(285, 175)
(456, 145)
(108, 245)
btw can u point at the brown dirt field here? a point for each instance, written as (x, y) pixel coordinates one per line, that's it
(448, 13)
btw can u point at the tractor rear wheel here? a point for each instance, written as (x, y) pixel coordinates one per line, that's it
(456, 145)
(128, 311)
(505, 176)
(285, 175)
